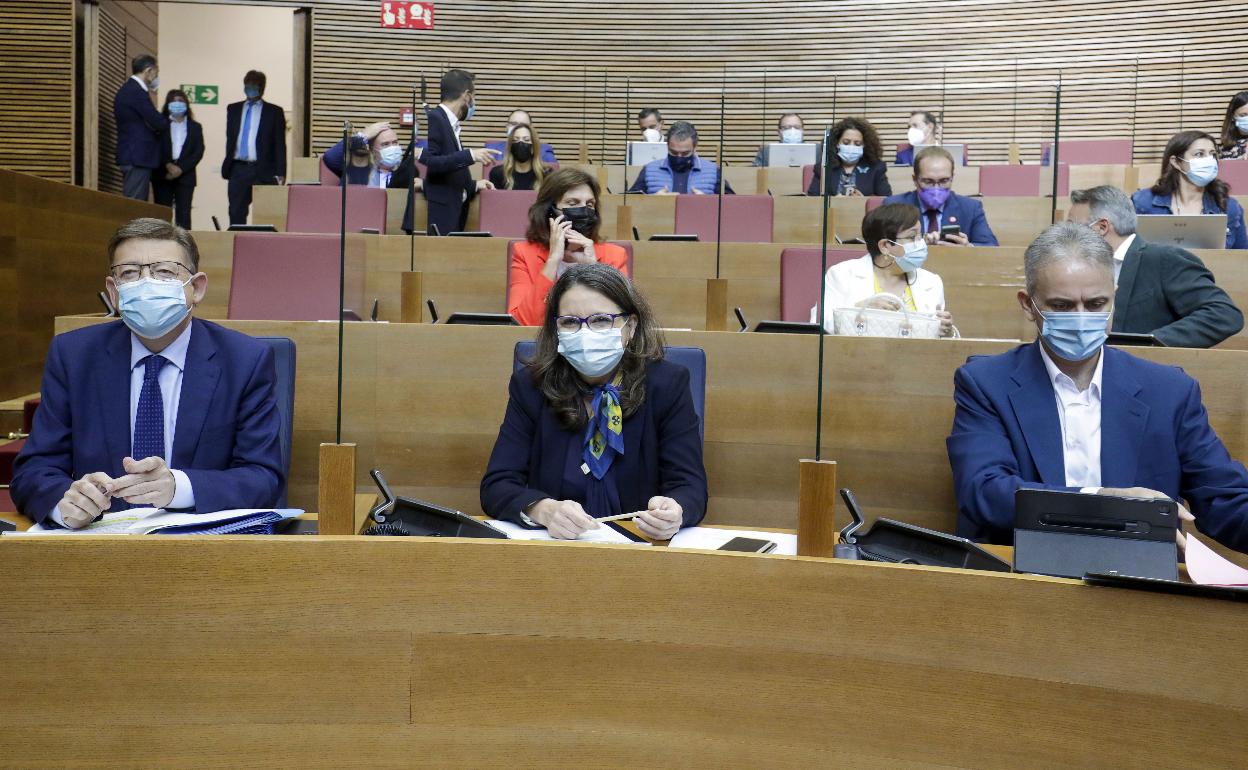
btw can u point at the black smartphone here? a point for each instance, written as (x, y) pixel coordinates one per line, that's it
(950, 230)
(748, 545)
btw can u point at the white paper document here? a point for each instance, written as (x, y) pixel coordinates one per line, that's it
(1207, 567)
(711, 538)
(142, 521)
(604, 534)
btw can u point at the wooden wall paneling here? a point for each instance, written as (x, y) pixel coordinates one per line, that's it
(36, 87)
(113, 69)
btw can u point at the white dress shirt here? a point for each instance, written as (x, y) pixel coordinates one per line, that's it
(1079, 413)
(246, 149)
(454, 125)
(1120, 256)
(177, 136)
(170, 379)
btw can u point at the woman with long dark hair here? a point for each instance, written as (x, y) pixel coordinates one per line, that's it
(859, 161)
(1235, 128)
(1189, 184)
(598, 423)
(181, 150)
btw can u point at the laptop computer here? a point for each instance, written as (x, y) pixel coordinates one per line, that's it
(958, 151)
(789, 155)
(641, 153)
(1188, 231)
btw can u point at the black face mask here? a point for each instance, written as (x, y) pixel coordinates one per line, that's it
(522, 151)
(582, 218)
(680, 163)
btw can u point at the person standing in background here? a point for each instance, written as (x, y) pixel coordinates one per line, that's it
(139, 126)
(181, 150)
(449, 184)
(255, 145)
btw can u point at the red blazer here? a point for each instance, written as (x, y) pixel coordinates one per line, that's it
(526, 297)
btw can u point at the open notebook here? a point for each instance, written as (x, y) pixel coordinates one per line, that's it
(154, 521)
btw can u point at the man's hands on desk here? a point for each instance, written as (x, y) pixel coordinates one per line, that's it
(1152, 494)
(148, 482)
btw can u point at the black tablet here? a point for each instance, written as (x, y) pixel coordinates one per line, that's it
(482, 319)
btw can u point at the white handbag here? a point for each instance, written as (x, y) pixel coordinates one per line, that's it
(874, 322)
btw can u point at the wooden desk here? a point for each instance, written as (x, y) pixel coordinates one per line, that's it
(424, 403)
(220, 651)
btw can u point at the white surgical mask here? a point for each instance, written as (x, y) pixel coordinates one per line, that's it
(915, 135)
(390, 156)
(1242, 124)
(591, 353)
(1202, 171)
(652, 135)
(791, 136)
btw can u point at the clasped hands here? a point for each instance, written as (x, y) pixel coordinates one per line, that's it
(147, 482)
(566, 519)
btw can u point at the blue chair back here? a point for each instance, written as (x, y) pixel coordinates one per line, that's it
(693, 359)
(284, 391)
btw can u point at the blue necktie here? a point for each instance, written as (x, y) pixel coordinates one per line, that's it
(244, 140)
(149, 418)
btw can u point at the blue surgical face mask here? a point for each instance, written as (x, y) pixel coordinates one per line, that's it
(251, 92)
(791, 136)
(850, 153)
(1242, 124)
(914, 257)
(390, 156)
(1202, 171)
(177, 109)
(593, 354)
(152, 308)
(472, 110)
(1074, 336)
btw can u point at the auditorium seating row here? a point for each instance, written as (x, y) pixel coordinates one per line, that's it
(283, 276)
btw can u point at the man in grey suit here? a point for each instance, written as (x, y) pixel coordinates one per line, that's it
(1162, 290)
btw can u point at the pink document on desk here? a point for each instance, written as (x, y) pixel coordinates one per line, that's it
(1206, 567)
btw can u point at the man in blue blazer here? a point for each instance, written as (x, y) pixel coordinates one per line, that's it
(156, 409)
(449, 185)
(255, 145)
(940, 206)
(1067, 413)
(139, 126)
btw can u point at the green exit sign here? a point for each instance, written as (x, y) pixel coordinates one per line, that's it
(201, 94)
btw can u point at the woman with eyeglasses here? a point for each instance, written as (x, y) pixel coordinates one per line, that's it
(598, 423)
(1189, 184)
(890, 275)
(563, 231)
(181, 150)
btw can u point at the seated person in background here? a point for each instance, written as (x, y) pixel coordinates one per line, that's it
(920, 131)
(598, 424)
(892, 265)
(563, 231)
(376, 159)
(650, 124)
(519, 170)
(1162, 290)
(860, 159)
(515, 120)
(941, 207)
(1189, 184)
(683, 170)
(156, 409)
(788, 131)
(1235, 128)
(1067, 413)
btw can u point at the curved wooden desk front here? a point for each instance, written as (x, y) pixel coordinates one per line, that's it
(372, 652)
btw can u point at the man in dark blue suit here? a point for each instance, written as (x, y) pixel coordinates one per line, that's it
(139, 125)
(255, 145)
(449, 185)
(1067, 413)
(156, 409)
(941, 207)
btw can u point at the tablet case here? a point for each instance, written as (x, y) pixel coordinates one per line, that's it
(1070, 534)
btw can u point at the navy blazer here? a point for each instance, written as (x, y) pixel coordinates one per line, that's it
(662, 450)
(869, 179)
(1168, 292)
(1154, 433)
(448, 168)
(270, 140)
(227, 437)
(959, 210)
(139, 125)
(192, 150)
